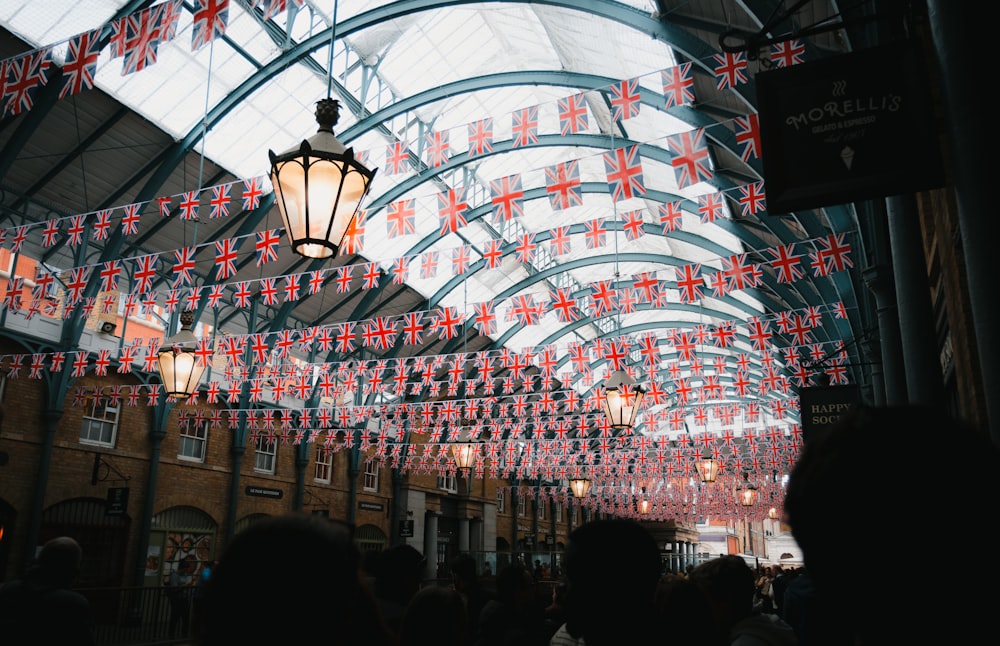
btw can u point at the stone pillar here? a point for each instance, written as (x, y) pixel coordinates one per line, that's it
(924, 381)
(880, 283)
(960, 37)
(463, 534)
(431, 543)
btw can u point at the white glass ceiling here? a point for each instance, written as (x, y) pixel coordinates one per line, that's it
(380, 62)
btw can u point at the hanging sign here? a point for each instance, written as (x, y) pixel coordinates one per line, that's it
(117, 504)
(847, 128)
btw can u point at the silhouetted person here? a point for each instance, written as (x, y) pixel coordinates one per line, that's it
(842, 504)
(41, 608)
(435, 616)
(513, 618)
(399, 573)
(555, 612)
(816, 620)
(293, 579)
(612, 567)
(729, 584)
(684, 613)
(178, 593)
(463, 573)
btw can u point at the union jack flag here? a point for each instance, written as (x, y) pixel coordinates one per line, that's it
(561, 301)
(485, 319)
(225, 258)
(451, 210)
(562, 184)
(632, 223)
(625, 100)
(507, 197)
(102, 224)
(400, 218)
(559, 240)
(691, 160)
(189, 205)
(184, 265)
(145, 272)
(169, 14)
(109, 275)
(595, 233)
(678, 85)
(130, 219)
(752, 198)
(438, 147)
(833, 255)
(524, 309)
(624, 173)
(730, 70)
(252, 192)
(788, 53)
(429, 264)
(671, 216)
(748, 136)
(141, 39)
(492, 253)
(397, 158)
(690, 283)
(481, 137)
(219, 203)
(447, 322)
(461, 258)
(22, 76)
(272, 8)
(572, 114)
(379, 333)
(267, 246)
(210, 20)
(82, 53)
(711, 207)
(524, 127)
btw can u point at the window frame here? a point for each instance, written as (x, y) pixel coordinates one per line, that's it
(371, 478)
(110, 418)
(265, 459)
(189, 436)
(448, 482)
(501, 501)
(323, 463)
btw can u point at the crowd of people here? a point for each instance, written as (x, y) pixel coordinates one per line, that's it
(300, 579)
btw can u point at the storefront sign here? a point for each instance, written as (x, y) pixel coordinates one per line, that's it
(117, 501)
(823, 406)
(370, 506)
(264, 492)
(847, 128)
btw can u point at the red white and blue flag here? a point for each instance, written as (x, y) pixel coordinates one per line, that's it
(562, 184)
(82, 53)
(624, 173)
(210, 20)
(678, 85)
(691, 160)
(572, 114)
(507, 196)
(625, 100)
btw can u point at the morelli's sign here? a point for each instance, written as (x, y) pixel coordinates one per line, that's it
(847, 128)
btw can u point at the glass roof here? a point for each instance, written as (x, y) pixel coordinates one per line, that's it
(406, 74)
